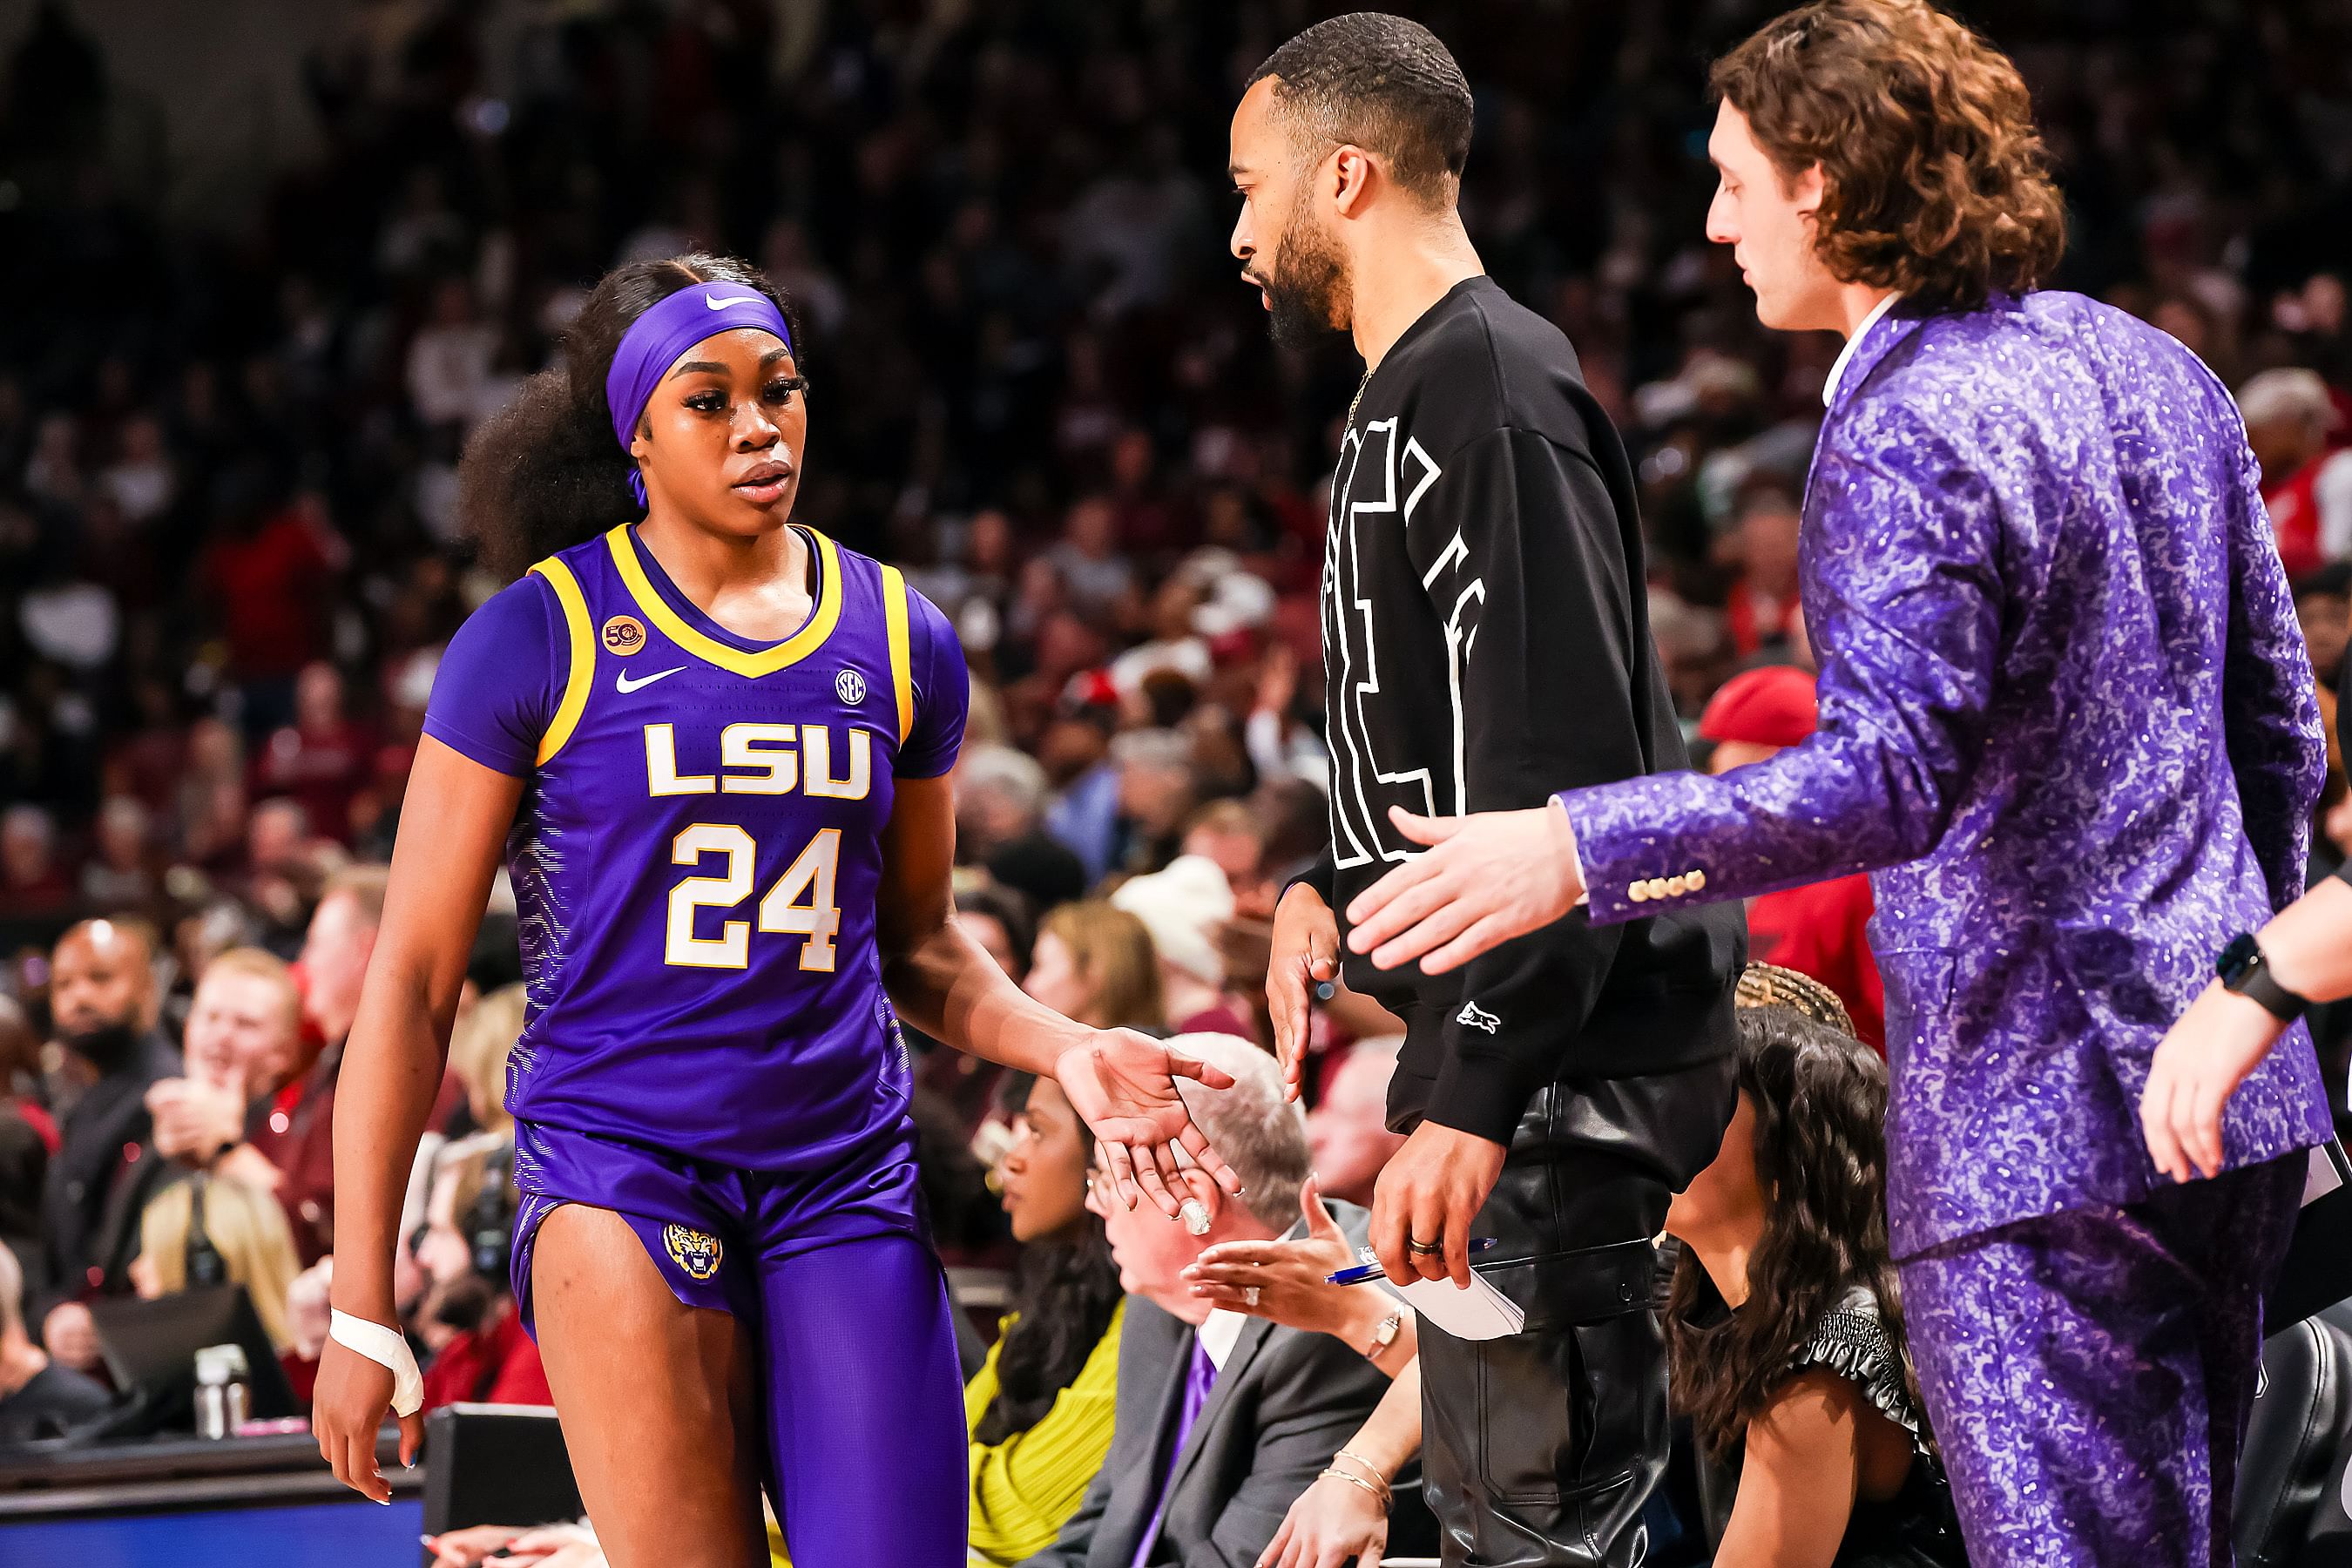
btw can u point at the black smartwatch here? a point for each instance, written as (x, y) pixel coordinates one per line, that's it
(2245, 970)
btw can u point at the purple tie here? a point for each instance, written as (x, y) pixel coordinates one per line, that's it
(1198, 1380)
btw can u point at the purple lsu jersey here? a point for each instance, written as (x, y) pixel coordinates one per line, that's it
(698, 854)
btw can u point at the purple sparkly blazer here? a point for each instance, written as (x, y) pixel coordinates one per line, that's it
(2066, 721)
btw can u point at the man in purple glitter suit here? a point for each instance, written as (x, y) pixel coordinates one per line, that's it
(2067, 722)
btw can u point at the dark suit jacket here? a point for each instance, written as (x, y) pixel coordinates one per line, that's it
(1283, 1404)
(105, 1171)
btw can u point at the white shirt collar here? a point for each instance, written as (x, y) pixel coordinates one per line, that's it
(1220, 1332)
(1830, 387)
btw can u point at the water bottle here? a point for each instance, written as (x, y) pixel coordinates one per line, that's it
(222, 1393)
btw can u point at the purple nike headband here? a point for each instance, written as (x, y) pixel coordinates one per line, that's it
(670, 326)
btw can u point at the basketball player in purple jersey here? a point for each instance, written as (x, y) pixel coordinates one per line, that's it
(711, 748)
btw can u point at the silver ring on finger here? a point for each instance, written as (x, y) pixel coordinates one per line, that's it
(1249, 1294)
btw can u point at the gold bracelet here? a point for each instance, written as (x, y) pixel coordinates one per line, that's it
(1370, 1469)
(1380, 1494)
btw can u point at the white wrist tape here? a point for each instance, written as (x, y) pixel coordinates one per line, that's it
(387, 1349)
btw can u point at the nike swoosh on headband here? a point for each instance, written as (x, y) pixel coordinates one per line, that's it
(716, 303)
(623, 684)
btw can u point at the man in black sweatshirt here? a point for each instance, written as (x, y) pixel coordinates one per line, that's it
(1485, 637)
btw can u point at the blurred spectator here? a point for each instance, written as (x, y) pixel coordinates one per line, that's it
(999, 919)
(118, 876)
(1000, 808)
(1185, 908)
(470, 1318)
(1087, 562)
(1764, 546)
(20, 1072)
(1040, 1408)
(2290, 422)
(1157, 793)
(33, 885)
(1095, 963)
(295, 1130)
(243, 1035)
(1348, 1132)
(1229, 835)
(965, 1087)
(39, 1397)
(216, 1230)
(322, 760)
(102, 999)
(478, 1048)
(1821, 928)
(2323, 606)
(270, 570)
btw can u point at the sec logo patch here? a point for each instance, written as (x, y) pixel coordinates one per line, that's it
(625, 635)
(692, 1250)
(850, 687)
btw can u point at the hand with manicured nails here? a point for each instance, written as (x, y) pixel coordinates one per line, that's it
(1484, 880)
(1305, 952)
(1291, 1277)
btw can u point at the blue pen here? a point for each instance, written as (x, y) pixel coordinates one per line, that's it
(1364, 1273)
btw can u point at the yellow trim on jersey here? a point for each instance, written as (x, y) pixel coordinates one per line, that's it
(583, 657)
(902, 671)
(790, 651)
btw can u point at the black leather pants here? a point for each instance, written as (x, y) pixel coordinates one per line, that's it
(1543, 1447)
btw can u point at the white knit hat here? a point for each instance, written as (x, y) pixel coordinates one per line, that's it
(1183, 907)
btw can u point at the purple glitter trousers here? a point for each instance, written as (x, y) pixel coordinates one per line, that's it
(2088, 1374)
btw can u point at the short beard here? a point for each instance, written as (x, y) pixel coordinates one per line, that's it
(1308, 297)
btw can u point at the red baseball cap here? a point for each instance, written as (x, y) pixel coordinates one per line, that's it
(1772, 706)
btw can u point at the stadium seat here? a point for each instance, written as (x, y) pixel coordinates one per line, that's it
(2290, 1477)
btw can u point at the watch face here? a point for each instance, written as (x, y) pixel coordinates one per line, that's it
(2237, 958)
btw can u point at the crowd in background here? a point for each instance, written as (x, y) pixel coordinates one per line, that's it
(229, 558)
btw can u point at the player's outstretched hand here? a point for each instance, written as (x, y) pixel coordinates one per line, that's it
(352, 1397)
(2203, 1059)
(1123, 1085)
(1485, 879)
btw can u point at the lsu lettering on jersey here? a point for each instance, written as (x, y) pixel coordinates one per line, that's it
(697, 851)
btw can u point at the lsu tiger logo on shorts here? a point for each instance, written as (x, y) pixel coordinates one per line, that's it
(692, 1250)
(625, 635)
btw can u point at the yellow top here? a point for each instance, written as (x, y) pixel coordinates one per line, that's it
(1026, 1488)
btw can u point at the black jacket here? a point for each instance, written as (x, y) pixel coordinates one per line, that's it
(105, 1171)
(1485, 643)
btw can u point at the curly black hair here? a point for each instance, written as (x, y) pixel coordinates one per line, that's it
(1820, 1098)
(543, 473)
(1064, 1293)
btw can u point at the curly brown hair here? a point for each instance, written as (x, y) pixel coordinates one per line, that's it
(1820, 1098)
(1935, 181)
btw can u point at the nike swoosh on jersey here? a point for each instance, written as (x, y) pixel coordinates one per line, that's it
(713, 302)
(623, 684)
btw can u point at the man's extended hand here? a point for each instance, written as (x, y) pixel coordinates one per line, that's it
(1431, 1191)
(1123, 1087)
(1306, 950)
(1485, 879)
